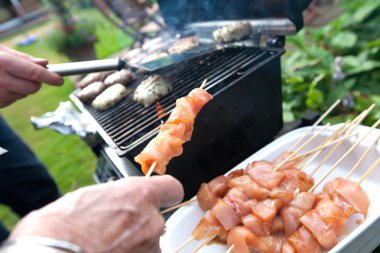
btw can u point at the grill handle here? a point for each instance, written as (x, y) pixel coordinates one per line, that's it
(85, 67)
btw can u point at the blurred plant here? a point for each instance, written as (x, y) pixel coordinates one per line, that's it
(339, 60)
(73, 33)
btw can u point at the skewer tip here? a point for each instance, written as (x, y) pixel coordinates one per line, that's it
(151, 169)
(203, 85)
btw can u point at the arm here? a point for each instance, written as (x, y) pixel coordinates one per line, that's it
(21, 75)
(121, 216)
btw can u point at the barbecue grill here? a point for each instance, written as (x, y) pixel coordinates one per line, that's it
(243, 77)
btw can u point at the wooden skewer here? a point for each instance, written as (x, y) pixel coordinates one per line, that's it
(230, 249)
(363, 156)
(179, 205)
(346, 154)
(302, 146)
(351, 128)
(329, 139)
(204, 244)
(323, 146)
(151, 169)
(183, 245)
(368, 171)
(311, 129)
(203, 85)
(315, 124)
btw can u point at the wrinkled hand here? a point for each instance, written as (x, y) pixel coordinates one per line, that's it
(117, 217)
(21, 75)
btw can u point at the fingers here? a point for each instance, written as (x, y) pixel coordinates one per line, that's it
(20, 67)
(7, 97)
(168, 190)
(18, 85)
(40, 61)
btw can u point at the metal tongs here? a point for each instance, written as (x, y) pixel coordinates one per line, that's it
(85, 67)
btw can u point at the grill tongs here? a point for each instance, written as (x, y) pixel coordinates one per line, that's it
(85, 67)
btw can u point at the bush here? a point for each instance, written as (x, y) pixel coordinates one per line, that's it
(82, 33)
(338, 61)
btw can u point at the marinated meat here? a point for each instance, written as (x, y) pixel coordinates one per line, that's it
(263, 174)
(124, 77)
(184, 44)
(91, 91)
(245, 241)
(110, 97)
(232, 32)
(176, 130)
(249, 187)
(151, 90)
(303, 241)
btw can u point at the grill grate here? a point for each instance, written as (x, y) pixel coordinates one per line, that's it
(129, 124)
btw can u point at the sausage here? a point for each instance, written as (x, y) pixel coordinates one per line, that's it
(124, 77)
(88, 93)
(110, 97)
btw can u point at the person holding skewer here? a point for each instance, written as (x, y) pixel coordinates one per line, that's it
(121, 216)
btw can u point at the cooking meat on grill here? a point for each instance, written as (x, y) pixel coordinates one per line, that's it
(184, 44)
(174, 132)
(232, 32)
(123, 76)
(93, 77)
(88, 93)
(110, 97)
(151, 90)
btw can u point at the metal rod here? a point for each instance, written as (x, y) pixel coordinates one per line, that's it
(85, 67)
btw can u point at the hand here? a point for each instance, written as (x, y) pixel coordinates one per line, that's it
(21, 75)
(117, 217)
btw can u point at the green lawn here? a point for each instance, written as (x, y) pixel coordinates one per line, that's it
(69, 160)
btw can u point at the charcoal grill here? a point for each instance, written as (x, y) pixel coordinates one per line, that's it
(244, 78)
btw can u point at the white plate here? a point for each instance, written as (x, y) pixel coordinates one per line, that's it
(363, 234)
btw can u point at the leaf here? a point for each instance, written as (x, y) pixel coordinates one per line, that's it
(314, 99)
(340, 91)
(365, 10)
(353, 65)
(344, 40)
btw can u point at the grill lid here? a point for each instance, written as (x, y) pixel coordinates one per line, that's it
(179, 14)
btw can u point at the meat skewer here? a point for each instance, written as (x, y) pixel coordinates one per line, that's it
(324, 177)
(174, 132)
(346, 154)
(321, 147)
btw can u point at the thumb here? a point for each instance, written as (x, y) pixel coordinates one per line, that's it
(168, 189)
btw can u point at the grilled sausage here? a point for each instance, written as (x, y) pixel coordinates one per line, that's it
(124, 77)
(232, 32)
(183, 45)
(88, 93)
(152, 89)
(93, 77)
(110, 96)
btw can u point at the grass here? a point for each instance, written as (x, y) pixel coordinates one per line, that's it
(70, 161)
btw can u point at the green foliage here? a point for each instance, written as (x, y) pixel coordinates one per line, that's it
(83, 33)
(338, 61)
